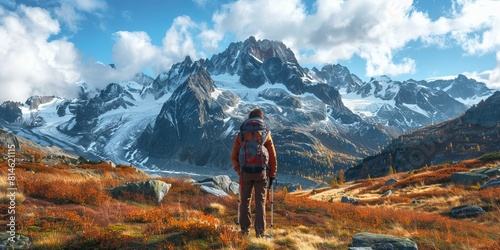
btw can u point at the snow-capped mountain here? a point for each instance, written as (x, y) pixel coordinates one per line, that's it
(473, 134)
(406, 105)
(185, 118)
(198, 122)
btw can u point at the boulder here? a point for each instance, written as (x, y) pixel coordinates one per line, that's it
(155, 188)
(346, 199)
(212, 190)
(382, 241)
(466, 211)
(19, 241)
(490, 172)
(491, 184)
(468, 178)
(388, 193)
(391, 182)
(221, 182)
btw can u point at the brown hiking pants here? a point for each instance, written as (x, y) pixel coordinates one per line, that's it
(258, 182)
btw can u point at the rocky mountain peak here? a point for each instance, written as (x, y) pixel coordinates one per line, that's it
(471, 135)
(461, 87)
(168, 81)
(257, 62)
(35, 101)
(10, 111)
(486, 113)
(188, 119)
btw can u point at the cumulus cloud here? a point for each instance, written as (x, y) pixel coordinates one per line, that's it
(38, 61)
(376, 31)
(133, 51)
(35, 63)
(178, 41)
(328, 31)
(30, 63)
(334, 30)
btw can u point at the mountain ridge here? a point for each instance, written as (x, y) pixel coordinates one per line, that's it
(474, 133)
(339, 118)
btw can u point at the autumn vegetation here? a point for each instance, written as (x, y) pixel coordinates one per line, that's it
(69, 206)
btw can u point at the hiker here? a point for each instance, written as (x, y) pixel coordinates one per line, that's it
(255, 165)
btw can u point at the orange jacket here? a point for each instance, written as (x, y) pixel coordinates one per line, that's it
(273, 166)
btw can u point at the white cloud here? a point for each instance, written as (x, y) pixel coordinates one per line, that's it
(32, 65)
(178, 41)
(329, 32)
(71, 13)
(90, 5)
(34, 62)
(68, 15)
(494, 80)
(475, 26)
(133, 51)
(376, 31)
(335, 30)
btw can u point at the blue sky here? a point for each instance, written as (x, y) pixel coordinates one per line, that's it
(48, 46)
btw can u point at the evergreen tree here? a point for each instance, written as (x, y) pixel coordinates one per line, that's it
(391, 170)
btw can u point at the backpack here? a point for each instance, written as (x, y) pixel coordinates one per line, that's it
(253, 156)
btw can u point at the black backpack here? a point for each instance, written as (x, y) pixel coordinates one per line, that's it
(253, 156)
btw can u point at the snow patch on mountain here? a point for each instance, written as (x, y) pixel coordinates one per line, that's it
(365, 107)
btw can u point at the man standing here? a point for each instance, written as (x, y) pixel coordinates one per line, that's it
(254, 159)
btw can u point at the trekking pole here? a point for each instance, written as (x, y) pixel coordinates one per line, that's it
(270, 189)
(239, 201)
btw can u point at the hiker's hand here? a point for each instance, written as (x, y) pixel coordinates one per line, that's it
(271, 179)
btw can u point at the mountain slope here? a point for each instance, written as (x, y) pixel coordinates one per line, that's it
(474, 133)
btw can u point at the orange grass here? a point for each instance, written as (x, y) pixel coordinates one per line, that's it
(72, 203)
(347, 219)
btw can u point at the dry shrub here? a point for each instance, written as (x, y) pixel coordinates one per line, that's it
(422, 226)
(64, 191)
(57, 219)
(140, 198)
(99, 167)
(230, 238)
(385, 200)
(490, 195)
(147, 215)
(362, 184)
(260, 243)
(215, 209)
(102, 238)
(442, 175)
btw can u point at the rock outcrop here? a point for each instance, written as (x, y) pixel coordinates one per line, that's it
(382, 241)
(468, 178)
(219, 185)
(466, 211)
(17, 241)
(491, 184)
(154, 188)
